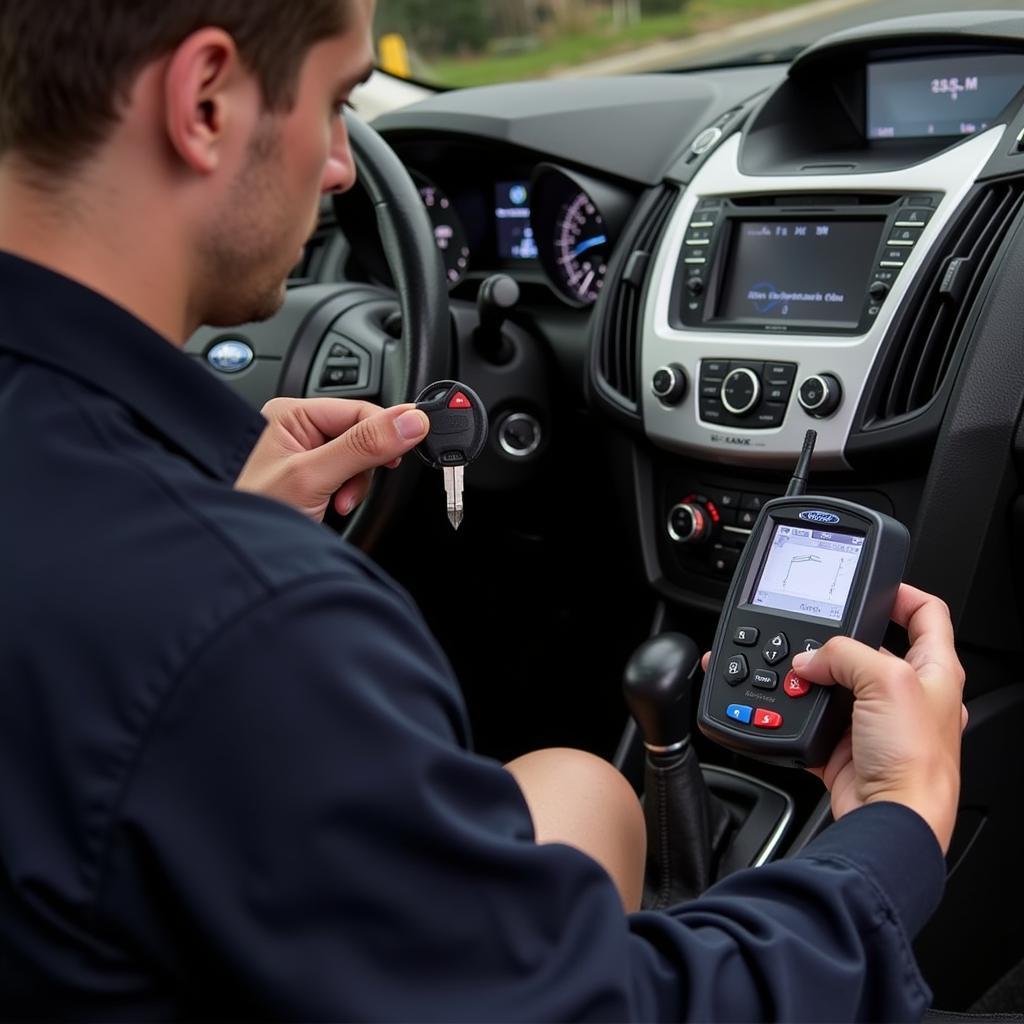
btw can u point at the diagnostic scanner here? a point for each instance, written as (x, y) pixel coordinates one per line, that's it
(814, 568)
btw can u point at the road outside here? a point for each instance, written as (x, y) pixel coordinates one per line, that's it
(765, 37)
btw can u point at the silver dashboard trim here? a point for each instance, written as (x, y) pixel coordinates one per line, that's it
(850, 359)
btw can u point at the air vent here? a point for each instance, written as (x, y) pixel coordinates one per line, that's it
(923, 351)
(617, 363)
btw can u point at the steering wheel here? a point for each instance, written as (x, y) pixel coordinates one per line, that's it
(342, 339)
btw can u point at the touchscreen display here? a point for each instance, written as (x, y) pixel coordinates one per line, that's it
(954, 95)
(512, 215)
(809, 571)
(811, 271)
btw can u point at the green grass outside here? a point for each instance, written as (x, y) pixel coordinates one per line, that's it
(577, 48)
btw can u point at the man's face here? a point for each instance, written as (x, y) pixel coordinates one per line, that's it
(271, 208)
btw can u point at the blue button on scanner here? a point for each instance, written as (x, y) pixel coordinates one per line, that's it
(741, 712)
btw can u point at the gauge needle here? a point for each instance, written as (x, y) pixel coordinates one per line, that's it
(589, 244)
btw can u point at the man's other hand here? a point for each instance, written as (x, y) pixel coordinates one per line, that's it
(908, 715)
(321, 451)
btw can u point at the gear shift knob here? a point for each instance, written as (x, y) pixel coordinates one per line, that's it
(658, 683)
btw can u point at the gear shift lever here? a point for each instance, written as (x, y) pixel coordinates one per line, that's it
(686, 825)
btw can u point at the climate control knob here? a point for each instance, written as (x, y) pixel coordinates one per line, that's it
(820, 395)
(689, 523)
(669, 383)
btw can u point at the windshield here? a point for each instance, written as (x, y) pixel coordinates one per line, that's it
(479, 42)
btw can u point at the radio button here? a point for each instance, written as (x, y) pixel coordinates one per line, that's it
(777, 392)
(891, 254)
(780, 373)
(701, 221)
(713, 369)
(878, 290)
(771, 414)
(695, 286)
(710, 388)
(711, 410)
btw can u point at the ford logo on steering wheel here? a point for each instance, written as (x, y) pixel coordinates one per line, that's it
(816, 516)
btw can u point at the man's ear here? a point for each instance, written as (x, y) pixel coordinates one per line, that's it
(206, 92)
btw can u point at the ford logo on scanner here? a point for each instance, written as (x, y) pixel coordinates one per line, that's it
(816, 516)
(230, 356)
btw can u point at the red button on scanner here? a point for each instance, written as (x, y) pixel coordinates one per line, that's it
(767, 719)
(795, 686)
(459, 401)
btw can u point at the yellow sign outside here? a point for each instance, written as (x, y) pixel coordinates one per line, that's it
(393, 55)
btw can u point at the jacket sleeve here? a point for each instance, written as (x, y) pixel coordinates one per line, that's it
(307, 836)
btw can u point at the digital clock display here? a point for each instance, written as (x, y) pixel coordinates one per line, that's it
(940, 96)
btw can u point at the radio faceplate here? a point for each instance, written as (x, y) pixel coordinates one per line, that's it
(795, 263)
(841, 355)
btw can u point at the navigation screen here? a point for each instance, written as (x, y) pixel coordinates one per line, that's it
(953, 95)
(512, 214)
(809, 571)
(812, 271)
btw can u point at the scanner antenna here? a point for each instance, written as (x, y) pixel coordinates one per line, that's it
(798, 484)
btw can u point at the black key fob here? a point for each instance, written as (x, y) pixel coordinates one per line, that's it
(458, 424)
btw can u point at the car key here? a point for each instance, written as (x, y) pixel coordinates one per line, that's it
(458, 433)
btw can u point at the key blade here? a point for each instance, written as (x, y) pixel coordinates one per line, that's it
(453, 482)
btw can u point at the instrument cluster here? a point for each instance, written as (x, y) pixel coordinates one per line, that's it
(547, 220)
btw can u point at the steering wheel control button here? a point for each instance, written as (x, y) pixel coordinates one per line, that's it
(776, 649)
(746, 636)
(669, 384)
(458, 433)
(820, 395)
(740, 713)
(232, 355)
(809, 644)
(736, 669)
(765, 679)
(339, 351)
(765, 719)
(338, 376)
(795, 686)
(741, 390)
(689, 523)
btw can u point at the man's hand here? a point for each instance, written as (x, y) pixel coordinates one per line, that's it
(318, 451)
(904, 741)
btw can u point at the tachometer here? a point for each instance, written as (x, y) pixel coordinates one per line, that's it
(581, 248)
(448, 231)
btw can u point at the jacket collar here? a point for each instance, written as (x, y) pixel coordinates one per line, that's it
(50, 319)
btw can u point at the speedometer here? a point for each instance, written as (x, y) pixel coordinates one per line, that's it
(448, 231)
(576, 220)
(581, 248)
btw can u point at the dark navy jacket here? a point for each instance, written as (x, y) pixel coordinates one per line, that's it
(235, 775)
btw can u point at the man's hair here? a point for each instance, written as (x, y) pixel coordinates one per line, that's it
(67, 65)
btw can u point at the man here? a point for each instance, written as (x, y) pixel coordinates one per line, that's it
(234, 767)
